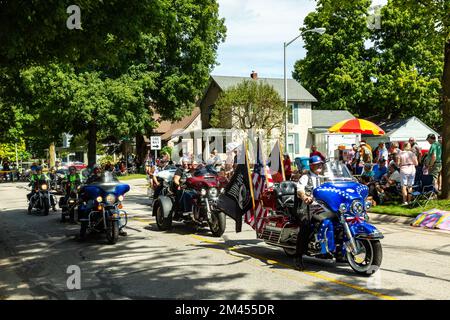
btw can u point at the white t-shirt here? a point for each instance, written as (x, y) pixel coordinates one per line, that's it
(303, 181)
(395, 176)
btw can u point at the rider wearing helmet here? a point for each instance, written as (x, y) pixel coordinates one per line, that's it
(71, 183)
(306, 184)
(35, 178)
(95, 175)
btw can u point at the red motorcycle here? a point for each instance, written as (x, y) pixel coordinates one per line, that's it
(198, 204)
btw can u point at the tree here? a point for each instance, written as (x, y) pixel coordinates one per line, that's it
(336, 69)
(130, 59)
(408, 56)
(249, 105)
(438, 12)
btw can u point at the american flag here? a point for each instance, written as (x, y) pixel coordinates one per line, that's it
(255, 217)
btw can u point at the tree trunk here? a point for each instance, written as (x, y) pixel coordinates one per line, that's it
(446, 124)
(141, 150)
(52, 154)
(92, 144)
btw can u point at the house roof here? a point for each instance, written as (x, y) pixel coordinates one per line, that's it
(296, 92)
(327, 118)
(391, 126)
(167, 128)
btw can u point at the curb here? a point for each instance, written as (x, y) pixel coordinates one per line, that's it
(386, 218)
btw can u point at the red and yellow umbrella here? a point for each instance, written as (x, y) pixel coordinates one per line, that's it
(357, 126)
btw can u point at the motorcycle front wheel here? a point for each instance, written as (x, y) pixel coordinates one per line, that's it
(46, 207)
(368, 261)
(217, 224)
(112, 234)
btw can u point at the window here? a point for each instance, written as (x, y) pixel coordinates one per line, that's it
(291, 147)
(290, 114)
(293, 113)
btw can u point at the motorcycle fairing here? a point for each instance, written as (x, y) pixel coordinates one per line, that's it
(334, 194)
(364, 230)
(326, 236)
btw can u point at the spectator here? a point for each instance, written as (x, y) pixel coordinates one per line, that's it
(287, 166)
(382, 152)
(367, 174)
(355, 159)
(407, 162)
(214, 158)
(416, 148)
(433, 161)
(389, 187)
(366, 153)
(315, 152)
(393, 152)
(379, 169)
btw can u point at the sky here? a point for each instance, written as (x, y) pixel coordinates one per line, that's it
(256, 31)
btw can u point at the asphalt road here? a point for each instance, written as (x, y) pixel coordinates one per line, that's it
(35, 252)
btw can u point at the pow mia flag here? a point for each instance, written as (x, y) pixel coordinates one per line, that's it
(238, 196)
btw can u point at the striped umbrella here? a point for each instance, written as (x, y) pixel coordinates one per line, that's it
(357, 126)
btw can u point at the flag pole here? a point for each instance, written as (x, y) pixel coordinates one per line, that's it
(281, 161)
(249, 175)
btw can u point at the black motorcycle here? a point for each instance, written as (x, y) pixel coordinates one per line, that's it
(69, 206)
(41, 199)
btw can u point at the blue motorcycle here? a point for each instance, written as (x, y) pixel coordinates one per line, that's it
(101, 207)
(338, 220)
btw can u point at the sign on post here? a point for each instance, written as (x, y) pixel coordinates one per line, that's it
(155, 144)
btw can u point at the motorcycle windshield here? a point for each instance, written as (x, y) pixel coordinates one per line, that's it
(107, 183)
(336, 171)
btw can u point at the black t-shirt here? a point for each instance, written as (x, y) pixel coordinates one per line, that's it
(180, 172)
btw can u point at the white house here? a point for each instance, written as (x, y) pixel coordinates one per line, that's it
(305, 126)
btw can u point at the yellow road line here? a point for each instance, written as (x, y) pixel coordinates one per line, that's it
(275, 262)
(312, 274)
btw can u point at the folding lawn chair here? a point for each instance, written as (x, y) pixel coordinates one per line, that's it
(424, 192)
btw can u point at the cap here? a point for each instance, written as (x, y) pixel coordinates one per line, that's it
(431, 136)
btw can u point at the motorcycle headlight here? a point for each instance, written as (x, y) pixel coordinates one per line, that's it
(120, 198)
(222, 190)
(357, 207)
(203, 192)
(110, 198)
(343, 208)
(44, 187)
(213, 192)
(99, 199)
(71, 201)
(368, 205)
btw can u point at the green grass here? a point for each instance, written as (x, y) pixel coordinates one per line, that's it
(398, 210)
(132, 176)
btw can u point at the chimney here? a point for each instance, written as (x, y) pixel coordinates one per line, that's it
(254, 75)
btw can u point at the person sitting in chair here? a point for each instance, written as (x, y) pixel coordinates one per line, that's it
(389, 182)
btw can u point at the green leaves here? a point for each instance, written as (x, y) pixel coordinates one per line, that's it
(393, 71)
(250, 104)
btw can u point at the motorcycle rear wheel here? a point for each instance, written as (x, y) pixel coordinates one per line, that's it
(369, 261)
(218, 223)
(163, 223)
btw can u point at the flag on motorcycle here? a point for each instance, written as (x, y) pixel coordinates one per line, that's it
(276, 163)
(255, 216)
(238, 197)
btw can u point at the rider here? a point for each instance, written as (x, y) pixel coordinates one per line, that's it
(72, 181)
(306, 184)
(95, 175)
(178, 176)
(35, 178)
(157, 181)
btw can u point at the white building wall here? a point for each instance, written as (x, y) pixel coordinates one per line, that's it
(302, 128)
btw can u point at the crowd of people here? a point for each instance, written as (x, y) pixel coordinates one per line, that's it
(393, 170)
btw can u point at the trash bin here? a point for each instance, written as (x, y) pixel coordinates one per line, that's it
(302, 163)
